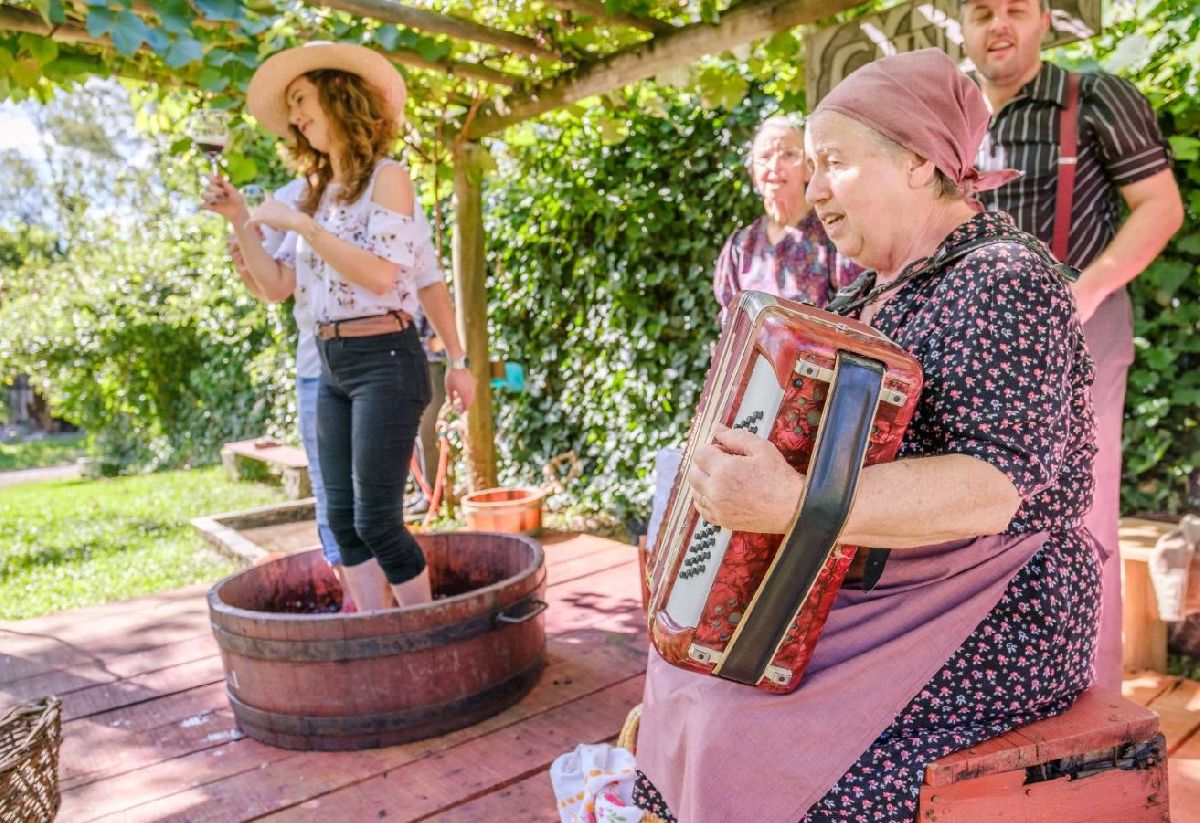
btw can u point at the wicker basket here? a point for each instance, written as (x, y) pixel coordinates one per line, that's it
(29, 739)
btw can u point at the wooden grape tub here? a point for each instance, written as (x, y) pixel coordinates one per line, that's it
(301, 676)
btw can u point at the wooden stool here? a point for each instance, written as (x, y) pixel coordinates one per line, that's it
(1144, 635)
(1102, 761)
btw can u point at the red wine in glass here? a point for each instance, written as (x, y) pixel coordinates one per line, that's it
(209, 130)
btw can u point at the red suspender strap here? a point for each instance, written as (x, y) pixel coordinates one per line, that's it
(1067, 159)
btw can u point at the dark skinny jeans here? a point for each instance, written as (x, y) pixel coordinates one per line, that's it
(369, 404)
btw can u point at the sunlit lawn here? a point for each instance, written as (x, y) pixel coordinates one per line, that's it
(73, 543)
(52, 451)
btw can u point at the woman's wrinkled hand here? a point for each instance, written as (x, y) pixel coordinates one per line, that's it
(460, 388)
(741, 482)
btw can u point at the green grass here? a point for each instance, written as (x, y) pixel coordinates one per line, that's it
(34, 454)
(1184, 665)
(74, 543)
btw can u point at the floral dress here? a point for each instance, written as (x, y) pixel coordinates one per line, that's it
(803, 266)
(399, 238)
(1007, 381)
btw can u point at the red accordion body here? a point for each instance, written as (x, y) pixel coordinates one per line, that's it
(712, 589)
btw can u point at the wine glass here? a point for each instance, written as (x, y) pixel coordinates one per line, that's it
(209, 130)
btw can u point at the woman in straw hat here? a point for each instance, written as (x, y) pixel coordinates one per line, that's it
(358, 247)
(984, 618)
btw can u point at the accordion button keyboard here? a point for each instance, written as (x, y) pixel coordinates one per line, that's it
(756, 414)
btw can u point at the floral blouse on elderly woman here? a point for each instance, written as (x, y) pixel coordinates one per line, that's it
(802, 266)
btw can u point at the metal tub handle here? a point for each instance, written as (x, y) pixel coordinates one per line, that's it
(525, 611)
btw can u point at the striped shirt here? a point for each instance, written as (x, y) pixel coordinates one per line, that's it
(1119, 143)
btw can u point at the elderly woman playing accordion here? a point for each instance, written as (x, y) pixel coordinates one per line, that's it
(984, 619)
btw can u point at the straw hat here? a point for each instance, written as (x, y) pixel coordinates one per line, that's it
(266, 97)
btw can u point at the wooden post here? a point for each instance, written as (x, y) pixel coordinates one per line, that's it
(470, 287)
(1144, 634)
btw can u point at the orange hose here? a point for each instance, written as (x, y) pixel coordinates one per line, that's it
(439, 484)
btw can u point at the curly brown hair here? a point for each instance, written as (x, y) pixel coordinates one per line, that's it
(361, 131)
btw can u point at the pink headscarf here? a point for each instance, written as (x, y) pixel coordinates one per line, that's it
(922, 101)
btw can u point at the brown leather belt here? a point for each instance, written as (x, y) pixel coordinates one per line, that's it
(364, 326)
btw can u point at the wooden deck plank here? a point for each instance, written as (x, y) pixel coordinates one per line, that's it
(30, 651)
(533, 797)
(578, 665)
(1183, 780)
(1144, 686)
(154, 685)
(1178, 711)
(151, 735)
(139, 736)
(65, 681)
(215, 788)
(583, 649)
(469, 771)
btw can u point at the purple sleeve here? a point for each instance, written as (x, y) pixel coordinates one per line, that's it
(725, 275)
(845, 271)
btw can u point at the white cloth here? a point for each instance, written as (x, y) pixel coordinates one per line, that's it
(308, 361)
(395, 237)
(1175, 570)
(666, 466)
(594, 784)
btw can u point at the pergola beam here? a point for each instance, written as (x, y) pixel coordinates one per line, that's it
(14, 19)
(456, 68)
(19, 20)
(621, 18)
(390, 11)
(750, 21)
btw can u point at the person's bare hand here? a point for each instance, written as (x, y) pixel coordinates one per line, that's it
(460, 388)
(1087, 300)
(222, 198)
(741, 482)
(277, 216)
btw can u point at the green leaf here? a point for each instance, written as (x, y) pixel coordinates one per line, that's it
(176, 16)
(157, 39)
(129, 32)
(212, 80)
(387, 36)
(50, 10)
(241, 169)
(1188, 243)
(24, 74)
(228, 10)
(1185, 148)
(433, 50)
(41, 49)
(184, 50)
(219, 57)
(99, 22)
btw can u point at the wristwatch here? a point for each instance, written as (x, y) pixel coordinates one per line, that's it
(463, 362)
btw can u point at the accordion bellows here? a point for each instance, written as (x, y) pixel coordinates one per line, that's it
(832, 394)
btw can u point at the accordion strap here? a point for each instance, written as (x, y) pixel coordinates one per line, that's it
(837, 458)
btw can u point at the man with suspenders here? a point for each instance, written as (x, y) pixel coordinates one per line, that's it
(1085, 143)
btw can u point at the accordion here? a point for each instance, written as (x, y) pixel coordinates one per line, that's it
(832, 394)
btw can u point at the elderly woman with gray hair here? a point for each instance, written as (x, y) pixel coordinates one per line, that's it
(985, 617)
(785, 252)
